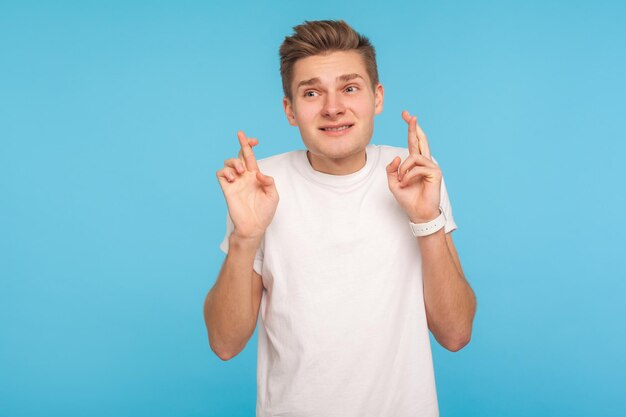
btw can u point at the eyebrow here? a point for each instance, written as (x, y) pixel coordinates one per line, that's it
(342, 78)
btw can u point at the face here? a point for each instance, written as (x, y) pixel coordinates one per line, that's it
(333, 105)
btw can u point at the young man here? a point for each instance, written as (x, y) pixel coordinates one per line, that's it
(355, 262)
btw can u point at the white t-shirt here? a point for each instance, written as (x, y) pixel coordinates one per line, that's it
(343, 326)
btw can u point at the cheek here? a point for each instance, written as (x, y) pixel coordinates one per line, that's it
(306, 114)
(364, 107)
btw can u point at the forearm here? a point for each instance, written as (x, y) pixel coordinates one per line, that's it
(228, 309)
(449, 300)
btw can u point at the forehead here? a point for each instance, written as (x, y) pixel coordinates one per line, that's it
(329, 66)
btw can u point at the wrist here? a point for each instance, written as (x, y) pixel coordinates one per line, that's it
(432, 239)
(425, 217)
(243, 241)
(428, 228)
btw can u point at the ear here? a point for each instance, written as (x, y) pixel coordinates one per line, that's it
(288, 107)
(379, 98)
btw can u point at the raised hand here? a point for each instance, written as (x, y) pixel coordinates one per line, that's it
(251, 196)
(416, 181)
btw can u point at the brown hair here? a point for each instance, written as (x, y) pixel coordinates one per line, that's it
(321, 37)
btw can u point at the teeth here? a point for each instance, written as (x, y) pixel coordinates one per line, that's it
(336, 129)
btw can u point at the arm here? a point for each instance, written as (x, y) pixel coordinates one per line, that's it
(448, 298)
(231, 307)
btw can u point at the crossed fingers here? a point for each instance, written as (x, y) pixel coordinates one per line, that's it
(419, 163)
(245, 153)
(418, 142)
(246, 161)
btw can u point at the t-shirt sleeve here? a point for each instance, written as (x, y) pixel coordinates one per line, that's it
(447, 209)
(446, 206)
(258, 259)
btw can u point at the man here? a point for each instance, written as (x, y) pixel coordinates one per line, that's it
(354, 264)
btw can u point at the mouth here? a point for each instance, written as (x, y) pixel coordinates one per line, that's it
(337, 129)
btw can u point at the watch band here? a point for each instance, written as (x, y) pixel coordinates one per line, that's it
(433, 226)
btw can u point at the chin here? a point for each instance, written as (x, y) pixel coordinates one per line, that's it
(339, 152)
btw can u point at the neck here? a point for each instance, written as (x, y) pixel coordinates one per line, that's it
(342, 166)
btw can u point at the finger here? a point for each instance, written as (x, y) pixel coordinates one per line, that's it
(221, 178)
(241, 144)
(393, 166)
(266, 181)
(405, 167)
(423, 141)
(413, 161)
(229, 174)
(223, 182)
(418, 172)
(413, 144)
(236, 164)
(410, 162)
(406, 116)
(253, 142)
(246, 152)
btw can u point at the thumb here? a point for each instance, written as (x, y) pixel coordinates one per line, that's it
(265, 180)
(393, 166)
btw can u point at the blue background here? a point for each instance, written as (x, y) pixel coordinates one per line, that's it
(114, 118)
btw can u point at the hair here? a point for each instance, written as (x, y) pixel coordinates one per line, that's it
(321, 37)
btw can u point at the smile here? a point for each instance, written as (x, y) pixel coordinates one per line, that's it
(336, 128)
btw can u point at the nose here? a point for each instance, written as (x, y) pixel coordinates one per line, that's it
(333, 105)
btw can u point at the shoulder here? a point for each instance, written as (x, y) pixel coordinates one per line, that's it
(275, 159)
(279, 163)
(388, 152)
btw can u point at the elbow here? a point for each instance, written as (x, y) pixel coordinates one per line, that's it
(456, 344)
(221, 349)
(453, 340)
(461, 337)
(223, 354)
(226, 347)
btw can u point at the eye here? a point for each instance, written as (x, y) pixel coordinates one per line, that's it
(310, 93)
(352, 89)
